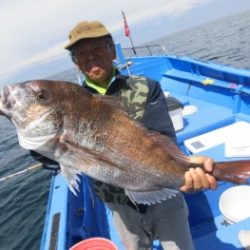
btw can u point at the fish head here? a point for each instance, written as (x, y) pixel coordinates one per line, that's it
(35, 108)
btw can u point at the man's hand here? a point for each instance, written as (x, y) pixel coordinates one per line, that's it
(196, 179)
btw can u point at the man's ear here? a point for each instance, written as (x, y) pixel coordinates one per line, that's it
(114, 57)
(80, 75)
(113, 53)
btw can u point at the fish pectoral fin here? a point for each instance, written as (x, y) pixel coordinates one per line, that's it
(151, 197)
(71, 177)
(85, 155)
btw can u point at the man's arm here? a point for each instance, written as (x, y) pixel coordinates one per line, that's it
(157, 118)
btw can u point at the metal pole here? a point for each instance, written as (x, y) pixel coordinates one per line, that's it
(132, 45)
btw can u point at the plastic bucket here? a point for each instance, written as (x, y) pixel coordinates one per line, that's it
(234, 203)
(95, 243)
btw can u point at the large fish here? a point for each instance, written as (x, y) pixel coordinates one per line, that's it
(86, 133)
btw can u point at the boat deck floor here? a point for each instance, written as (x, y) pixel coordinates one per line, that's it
(226, 238)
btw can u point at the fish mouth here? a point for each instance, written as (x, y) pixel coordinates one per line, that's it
(4, 95)
(5, 103)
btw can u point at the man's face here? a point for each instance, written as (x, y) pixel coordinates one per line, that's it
(94, 58)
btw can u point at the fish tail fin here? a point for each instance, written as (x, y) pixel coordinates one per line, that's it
(235, 171)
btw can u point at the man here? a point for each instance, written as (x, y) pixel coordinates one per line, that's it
(92, 50)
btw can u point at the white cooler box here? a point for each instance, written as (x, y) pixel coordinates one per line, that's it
(234, 136)
(175, 111)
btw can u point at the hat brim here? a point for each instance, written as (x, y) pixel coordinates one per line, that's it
(87, 35)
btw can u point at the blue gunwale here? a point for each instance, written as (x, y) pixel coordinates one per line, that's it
(225, 100)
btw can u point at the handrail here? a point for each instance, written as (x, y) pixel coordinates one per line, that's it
(152, 49)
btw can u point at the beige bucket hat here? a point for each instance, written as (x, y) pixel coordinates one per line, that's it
(85, 30)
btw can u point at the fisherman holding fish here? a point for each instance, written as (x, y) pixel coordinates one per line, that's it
(92, 50)
(128, 147)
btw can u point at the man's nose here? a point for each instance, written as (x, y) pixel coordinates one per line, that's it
(91, 55)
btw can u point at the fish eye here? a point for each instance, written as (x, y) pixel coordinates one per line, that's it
(41, 96)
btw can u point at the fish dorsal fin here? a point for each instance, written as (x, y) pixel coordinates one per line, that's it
(170, 147)
(71, 177)
(113, 101)
(151, 197)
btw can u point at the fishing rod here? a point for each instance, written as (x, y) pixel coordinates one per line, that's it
(33, 167)
(53, 167)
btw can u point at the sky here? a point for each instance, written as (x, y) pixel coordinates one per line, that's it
(33, 33)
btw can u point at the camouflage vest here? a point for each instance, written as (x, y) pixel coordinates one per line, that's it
(133, 98)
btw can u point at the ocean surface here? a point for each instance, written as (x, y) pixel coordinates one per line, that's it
(23, 198)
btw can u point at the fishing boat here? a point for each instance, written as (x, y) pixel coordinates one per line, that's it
(214, 121)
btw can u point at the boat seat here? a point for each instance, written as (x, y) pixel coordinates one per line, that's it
(194, 77)
(207, 117)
